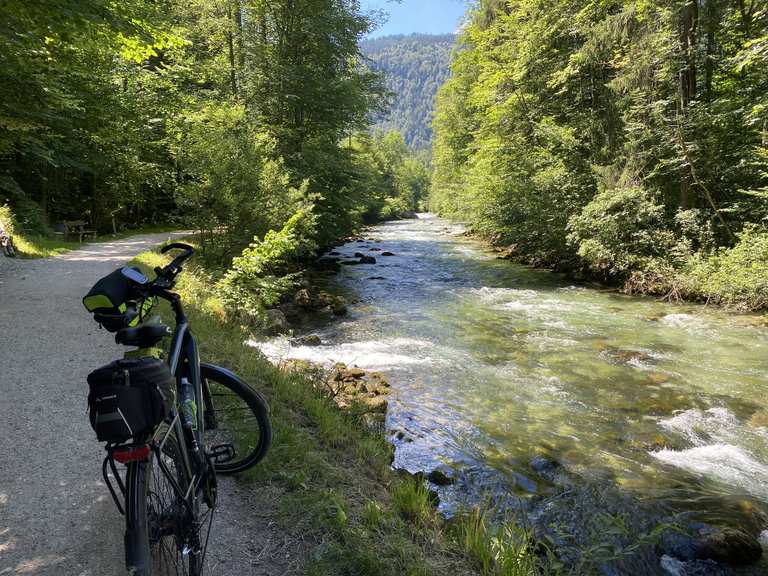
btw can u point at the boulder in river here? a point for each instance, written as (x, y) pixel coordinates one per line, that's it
(359, 255)
(439, 478)
(387, 253)
(309, 340)
(276, 322)
(367, 260)
(728, 545)
(374, 249)
(350, 262)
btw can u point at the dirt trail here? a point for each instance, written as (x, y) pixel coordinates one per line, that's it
(56, 515)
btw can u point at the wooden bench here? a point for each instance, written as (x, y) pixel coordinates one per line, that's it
(77, 228)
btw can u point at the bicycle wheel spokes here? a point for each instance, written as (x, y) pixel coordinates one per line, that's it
(173, 523)
(236, 432)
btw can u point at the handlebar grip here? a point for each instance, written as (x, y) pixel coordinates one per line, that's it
(177, 246)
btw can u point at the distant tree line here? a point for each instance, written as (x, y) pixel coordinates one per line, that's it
(414, 66)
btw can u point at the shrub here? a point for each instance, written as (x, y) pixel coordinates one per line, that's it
(268, 268)
(621, 230)
(735, 276)
(7, 220)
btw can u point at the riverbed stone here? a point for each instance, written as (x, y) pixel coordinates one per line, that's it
(353, 373)
(728, 545)
(387, 253)
(367, 260)
(309, 340)
(375, 404)
(276, 322)
(303, 298)
(439, 477)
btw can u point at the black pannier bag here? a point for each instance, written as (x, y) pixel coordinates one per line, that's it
(129, 398)
(114, 302)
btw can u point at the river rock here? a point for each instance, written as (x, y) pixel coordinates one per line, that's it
(292, 312)
(375, 404)
(359, 255)
(675, 567)
(375, 249)
(387, 253)
(353, 373)
(350, 262)
(377, 278)
(309, 340)
(439, 478)
(759, 419)
(339, 306)
(728, 545)
(276, 322)
(303, 298)
(367, 260)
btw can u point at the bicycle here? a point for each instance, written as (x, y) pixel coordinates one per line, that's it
(168, 491)
(6, 243)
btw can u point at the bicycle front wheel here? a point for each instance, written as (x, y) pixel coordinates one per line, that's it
(163, 528)
(238, 431)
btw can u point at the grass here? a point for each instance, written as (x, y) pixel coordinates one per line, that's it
(331, 479)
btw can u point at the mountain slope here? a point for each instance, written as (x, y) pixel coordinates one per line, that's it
(415, 66)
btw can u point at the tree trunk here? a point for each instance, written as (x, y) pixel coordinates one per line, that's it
(231, 47)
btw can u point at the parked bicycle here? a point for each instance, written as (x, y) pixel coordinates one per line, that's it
(174, 424)
(6, 243)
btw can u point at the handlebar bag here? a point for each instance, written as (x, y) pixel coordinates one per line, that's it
(129, 398)
(113, 302)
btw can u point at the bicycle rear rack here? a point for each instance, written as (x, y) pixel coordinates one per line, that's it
(109, 460)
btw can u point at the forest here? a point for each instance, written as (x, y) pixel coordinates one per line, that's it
(625, 141)
(414, 67)
(231, 117)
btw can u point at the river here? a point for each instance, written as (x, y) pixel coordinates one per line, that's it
(494, 364)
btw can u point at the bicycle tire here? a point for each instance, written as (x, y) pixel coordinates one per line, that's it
(243, 400)
(148, 552)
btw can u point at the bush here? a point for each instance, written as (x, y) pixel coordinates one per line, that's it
(621, 230)
(735, 276)
(268, 268)
(7, 221)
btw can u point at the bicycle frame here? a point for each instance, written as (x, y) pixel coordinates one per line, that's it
(184, 362)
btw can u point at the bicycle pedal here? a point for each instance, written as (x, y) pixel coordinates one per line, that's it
(222, 453)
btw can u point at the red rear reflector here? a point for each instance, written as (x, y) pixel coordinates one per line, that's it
(131, 454)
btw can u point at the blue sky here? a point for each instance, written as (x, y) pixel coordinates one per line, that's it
(425, 16)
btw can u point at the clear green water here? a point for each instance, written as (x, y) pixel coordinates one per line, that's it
(493, 364)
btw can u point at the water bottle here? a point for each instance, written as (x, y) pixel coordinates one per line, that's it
(188, 406)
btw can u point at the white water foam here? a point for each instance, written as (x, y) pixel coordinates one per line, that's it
(371, 354)
(726, 463)
(723, 449)
(685, 321)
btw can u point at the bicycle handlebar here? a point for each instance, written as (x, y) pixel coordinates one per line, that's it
(167, 274)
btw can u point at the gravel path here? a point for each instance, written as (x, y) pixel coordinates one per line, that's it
(56, 515)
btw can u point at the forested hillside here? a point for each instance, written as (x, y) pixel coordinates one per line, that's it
(415, 67)
(627, 140)
(231, 116)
